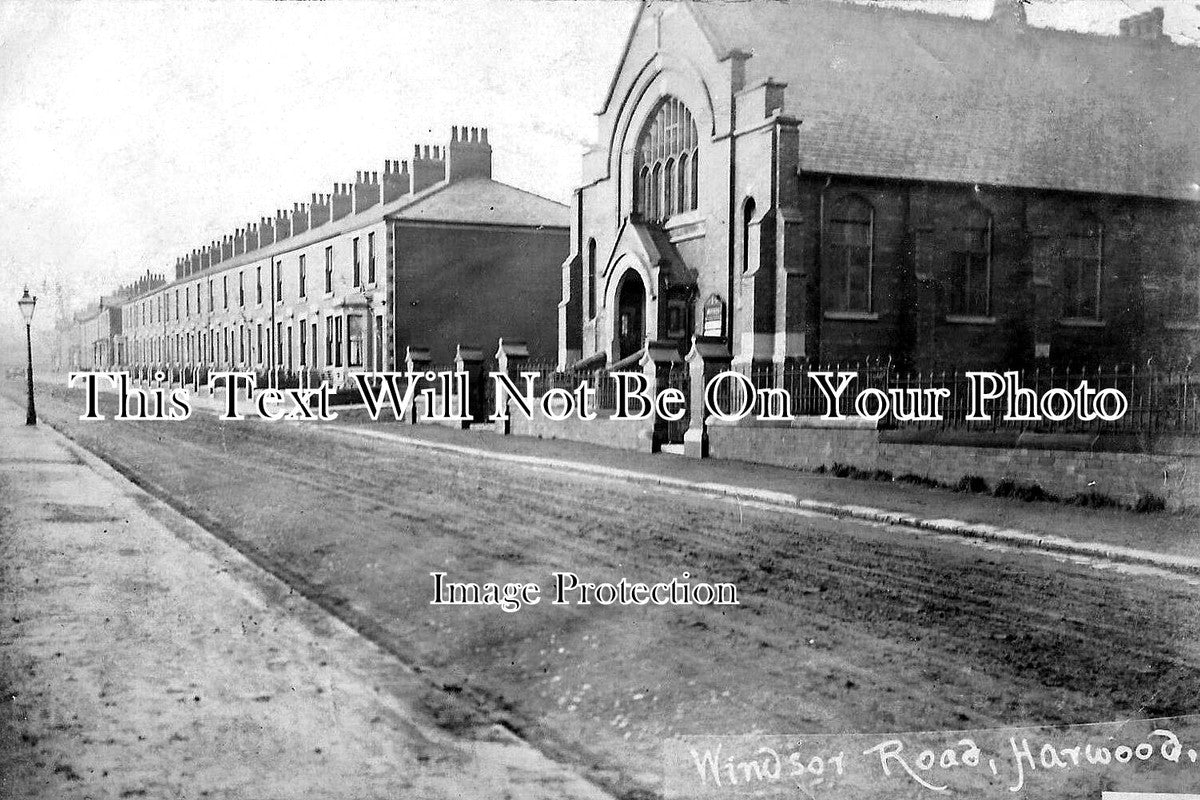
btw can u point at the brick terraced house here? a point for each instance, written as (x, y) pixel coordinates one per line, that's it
(432, 253)
(829, 181)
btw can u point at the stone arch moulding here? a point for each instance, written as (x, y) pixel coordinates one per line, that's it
(663, 75)
(617, 269)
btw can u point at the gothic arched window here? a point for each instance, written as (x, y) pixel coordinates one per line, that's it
(851, 254)
(666, 163)
(747, 215)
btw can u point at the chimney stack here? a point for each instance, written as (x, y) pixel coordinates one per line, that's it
(342, 201)
(396, 181)
(427, 169)
(469, 154)
(283, 225)
(318, 210)
(299, 218)
(366, 190)
(1147, 25)
(1010, 12)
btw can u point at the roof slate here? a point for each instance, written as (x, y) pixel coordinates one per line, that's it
(482, 201)
(902, 94)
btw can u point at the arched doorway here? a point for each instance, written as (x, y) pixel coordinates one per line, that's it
(631, 315)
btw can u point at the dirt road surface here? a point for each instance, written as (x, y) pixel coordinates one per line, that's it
(843, 626)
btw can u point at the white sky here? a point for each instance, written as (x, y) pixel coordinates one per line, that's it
(132, 132)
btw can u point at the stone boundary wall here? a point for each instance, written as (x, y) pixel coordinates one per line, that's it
(622, 434)
(1173, 475)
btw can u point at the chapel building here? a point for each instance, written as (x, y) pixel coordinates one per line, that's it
(831, 182)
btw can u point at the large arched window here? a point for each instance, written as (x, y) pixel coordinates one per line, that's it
(971, 263)
(851, 254)
(666, 163)
(1082, 267)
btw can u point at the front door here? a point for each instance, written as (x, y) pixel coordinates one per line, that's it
(631, 315)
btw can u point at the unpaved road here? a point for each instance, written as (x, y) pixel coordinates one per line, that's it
(138, 660)
(843, 626)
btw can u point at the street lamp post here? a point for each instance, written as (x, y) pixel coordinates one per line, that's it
(27, 303)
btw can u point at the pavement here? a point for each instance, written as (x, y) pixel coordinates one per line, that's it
(142, 657)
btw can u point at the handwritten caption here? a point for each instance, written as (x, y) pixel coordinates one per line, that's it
(1063, 762)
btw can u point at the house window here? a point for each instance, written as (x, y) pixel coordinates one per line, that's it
(850, 254)
(357, 265)
(337, 341)
(313, 341)
(303, 344)
(187, 302)
(370, 258)
(328, 269)
(260, 342)
(378, 342)
(303, 277)
(258, 285)
(225, 298)
(176, 304)
(329, 341)
(354, 338)
(278, 342)
(210, 295)
(241, 291)
(278, 281)
(971, 264)
(665, 163)
(591, 257)
(1082, 268)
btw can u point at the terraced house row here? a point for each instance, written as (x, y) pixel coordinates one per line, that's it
(431, 253)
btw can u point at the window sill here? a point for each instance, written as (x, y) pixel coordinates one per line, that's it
(852, 316)
(683, 218)
(968, 319)
(1082, 322)
(1183, 325)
